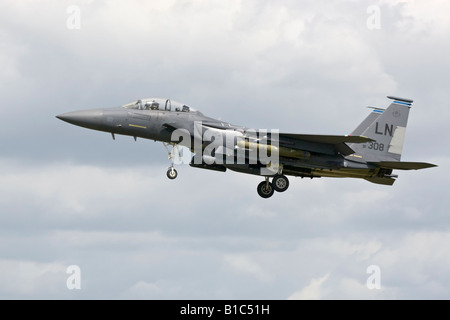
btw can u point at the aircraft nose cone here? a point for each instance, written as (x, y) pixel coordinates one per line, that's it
(91, 119)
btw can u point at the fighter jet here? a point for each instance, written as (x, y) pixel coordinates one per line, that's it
(371, 152)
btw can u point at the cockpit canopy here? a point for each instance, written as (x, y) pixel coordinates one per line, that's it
(158, 104)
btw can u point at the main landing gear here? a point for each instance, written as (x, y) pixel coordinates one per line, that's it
(280, 183)
(171, 172)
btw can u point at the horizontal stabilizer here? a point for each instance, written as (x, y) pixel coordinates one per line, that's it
(403, 165)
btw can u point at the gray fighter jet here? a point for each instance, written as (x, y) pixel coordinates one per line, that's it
(371, 152)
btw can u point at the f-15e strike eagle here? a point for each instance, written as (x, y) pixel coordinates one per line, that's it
(371, 152)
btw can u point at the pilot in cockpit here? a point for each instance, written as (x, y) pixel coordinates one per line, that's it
(154, 106)
(151, 105)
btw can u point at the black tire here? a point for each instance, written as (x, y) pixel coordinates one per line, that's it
(265, 190)
(280, 183)
(172, 173)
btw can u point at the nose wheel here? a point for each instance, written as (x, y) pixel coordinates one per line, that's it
(173, 152)
(172, 173)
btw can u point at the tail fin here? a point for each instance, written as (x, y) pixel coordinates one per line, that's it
(387, 128)
(376, 112)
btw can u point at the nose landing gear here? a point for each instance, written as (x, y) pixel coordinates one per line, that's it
(173, 152)
(172, 173)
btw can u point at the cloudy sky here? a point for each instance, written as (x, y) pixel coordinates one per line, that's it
(71, 196)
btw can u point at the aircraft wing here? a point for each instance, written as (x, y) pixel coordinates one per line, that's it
(327, 138)
(327, 144)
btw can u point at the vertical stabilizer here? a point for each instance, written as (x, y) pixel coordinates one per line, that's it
(387, 128)
(376, 112)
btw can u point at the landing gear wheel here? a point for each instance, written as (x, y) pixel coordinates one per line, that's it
(265, 189)
(172, 173)
(280, 183)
